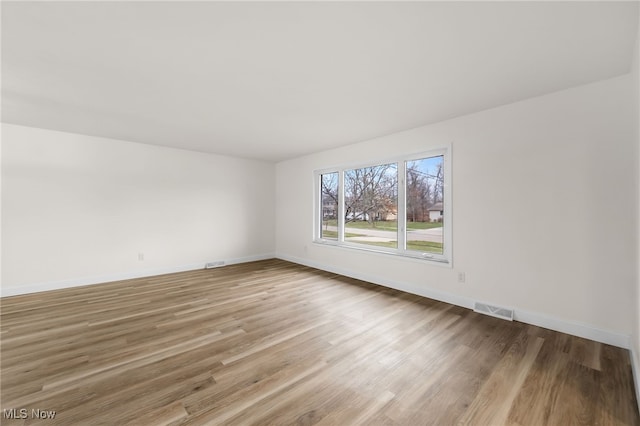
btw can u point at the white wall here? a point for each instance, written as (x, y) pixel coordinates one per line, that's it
(635, 76)
(78, 209)
(570, 153)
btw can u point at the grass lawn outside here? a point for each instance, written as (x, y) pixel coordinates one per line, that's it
(425, 246)
(421, 246)
(333, 234)
(423, 225)
(385, 225)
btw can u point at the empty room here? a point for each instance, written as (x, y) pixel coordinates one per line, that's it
(320, 213)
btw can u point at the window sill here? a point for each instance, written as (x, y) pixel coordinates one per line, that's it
(418, 256)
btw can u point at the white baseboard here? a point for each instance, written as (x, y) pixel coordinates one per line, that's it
(635, 367)
(534, 318)
(465, 302)
(78, 282)
(574, 328)
(247, 259)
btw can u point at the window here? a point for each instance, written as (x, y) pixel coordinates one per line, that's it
(371, 205)
(399, 206)
(425, 204)
(329, 200)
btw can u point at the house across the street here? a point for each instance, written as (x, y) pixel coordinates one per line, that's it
(436, 212)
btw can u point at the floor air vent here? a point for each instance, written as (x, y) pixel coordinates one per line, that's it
(217, 264)
(494, 311)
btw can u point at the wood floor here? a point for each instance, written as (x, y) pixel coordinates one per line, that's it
(276, 343)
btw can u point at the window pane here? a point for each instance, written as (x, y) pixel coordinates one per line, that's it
(329, 214)
(425, 201)
(371, 205)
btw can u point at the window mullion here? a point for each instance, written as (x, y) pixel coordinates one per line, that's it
(402, 204)
(341, 208)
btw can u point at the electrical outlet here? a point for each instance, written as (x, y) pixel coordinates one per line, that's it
(141, 256)
(462, 277)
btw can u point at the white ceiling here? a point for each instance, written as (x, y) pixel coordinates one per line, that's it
(279, 80)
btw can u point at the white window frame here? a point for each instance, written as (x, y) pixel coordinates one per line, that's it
(401, 161)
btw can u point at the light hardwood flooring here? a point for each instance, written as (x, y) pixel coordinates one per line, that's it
(272, 342)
